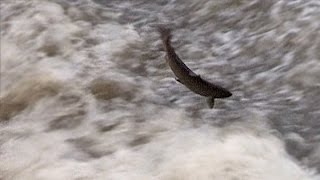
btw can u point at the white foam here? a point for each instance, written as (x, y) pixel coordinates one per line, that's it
(172, 148)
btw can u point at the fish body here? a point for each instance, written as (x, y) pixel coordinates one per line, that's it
(186, 76)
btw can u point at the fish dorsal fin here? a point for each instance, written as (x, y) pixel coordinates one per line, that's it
(193, 74)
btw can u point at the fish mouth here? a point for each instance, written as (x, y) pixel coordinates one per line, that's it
(228, 94)
(224, 94)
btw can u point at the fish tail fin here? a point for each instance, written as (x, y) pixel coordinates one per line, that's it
(165, 34)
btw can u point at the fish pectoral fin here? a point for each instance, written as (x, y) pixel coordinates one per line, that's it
(178, 80)
(210, 102)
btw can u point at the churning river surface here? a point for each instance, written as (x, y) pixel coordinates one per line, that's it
(86, 93)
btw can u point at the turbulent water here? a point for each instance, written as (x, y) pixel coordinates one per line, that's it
(86, 92)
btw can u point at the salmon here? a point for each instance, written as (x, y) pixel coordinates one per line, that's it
(186, 76)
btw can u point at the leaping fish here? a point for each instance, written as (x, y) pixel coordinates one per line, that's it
(186, 76)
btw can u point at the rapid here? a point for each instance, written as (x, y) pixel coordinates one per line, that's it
(85, 91)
